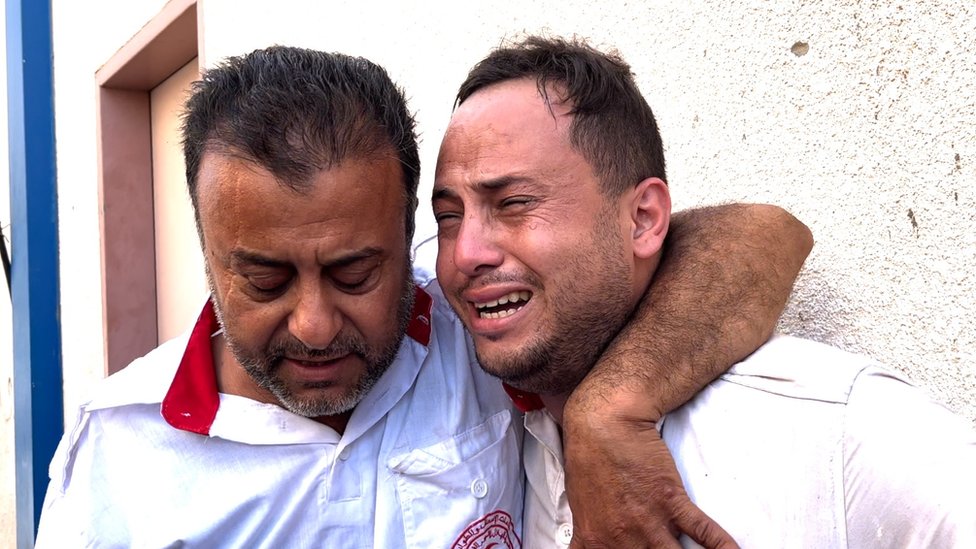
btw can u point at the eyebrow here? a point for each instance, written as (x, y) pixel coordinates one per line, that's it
(486, 186)
(251, 258)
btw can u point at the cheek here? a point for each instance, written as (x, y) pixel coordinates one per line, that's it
(445, 261)
(252, 324)
(254, 329)
(540, 249)
(374, 315)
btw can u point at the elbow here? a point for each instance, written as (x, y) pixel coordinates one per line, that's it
(796, 236)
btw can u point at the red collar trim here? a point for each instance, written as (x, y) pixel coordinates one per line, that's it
(524, 401)
(192, 400)
(419, 327)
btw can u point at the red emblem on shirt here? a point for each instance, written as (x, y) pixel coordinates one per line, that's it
(492, 531)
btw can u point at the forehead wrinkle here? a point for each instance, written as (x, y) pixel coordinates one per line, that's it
(223, 191)
(502, 135)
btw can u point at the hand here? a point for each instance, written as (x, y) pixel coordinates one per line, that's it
(623, 486)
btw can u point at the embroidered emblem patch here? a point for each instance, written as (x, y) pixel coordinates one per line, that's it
(496, 530)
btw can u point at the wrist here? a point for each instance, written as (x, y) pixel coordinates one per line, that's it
(599, 404)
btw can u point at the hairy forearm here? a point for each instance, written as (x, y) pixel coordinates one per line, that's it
(724, 279)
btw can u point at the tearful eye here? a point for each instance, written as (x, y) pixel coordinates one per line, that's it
(445, 217)
(516, 201)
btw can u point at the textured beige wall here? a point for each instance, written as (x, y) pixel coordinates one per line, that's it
(855, 115)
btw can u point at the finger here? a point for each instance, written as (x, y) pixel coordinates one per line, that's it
(657, 542)
(701, 528)
(664, 542)
(656, 538)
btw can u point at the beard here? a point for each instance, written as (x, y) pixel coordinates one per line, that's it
(263, 365)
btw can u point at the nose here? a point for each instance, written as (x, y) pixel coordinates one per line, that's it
(476, 249)
(315, 320)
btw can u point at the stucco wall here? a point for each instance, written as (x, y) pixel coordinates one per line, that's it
(857, 116)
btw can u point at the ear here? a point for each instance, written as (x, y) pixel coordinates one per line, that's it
(651, 215)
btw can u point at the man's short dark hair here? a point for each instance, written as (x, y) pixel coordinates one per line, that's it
(613, 126)
(296, 112)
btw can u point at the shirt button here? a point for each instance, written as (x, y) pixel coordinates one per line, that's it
(565, 533)
(344, 454)
(479, 488)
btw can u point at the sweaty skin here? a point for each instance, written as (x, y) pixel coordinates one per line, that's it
(313, 295)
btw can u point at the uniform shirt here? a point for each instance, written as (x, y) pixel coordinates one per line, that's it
(159, 458)
(801, 445)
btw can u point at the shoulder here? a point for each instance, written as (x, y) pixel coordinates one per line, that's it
(908, 466)
(799, 368)
(904, 462)
(144, 381)
(854, 443)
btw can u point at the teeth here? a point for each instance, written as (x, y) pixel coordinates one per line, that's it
(505, 299)
(514, 297)
(500, 314)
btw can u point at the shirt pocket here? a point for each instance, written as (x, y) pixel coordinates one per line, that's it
(464, 489)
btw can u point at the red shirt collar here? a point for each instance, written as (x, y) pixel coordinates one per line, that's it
(524, 400)
(192, 400)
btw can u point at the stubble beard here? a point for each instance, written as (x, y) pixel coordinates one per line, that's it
(262, 367)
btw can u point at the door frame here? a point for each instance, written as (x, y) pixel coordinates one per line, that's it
(125, 193)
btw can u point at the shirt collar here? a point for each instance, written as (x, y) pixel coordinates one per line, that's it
(524, 400)
(192, 400)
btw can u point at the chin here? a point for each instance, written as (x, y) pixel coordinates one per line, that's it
(515, 371)
(318, 406)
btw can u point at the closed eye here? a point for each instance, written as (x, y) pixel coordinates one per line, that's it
(351, 284)
(517, 201)
(517, 205)
(358, 277)
(444, 217)
(268, 285)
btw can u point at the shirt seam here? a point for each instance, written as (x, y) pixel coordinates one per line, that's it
(843, 445)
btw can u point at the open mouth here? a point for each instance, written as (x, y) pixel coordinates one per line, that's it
(504, 306)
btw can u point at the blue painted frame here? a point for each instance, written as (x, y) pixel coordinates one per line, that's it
(38, 391)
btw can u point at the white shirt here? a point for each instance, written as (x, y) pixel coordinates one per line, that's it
(800, 445)
(159, 458)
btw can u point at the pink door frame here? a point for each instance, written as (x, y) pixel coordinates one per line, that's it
(125, 188)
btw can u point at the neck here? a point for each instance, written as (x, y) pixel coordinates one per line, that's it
(554, 405)
(338, 423)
